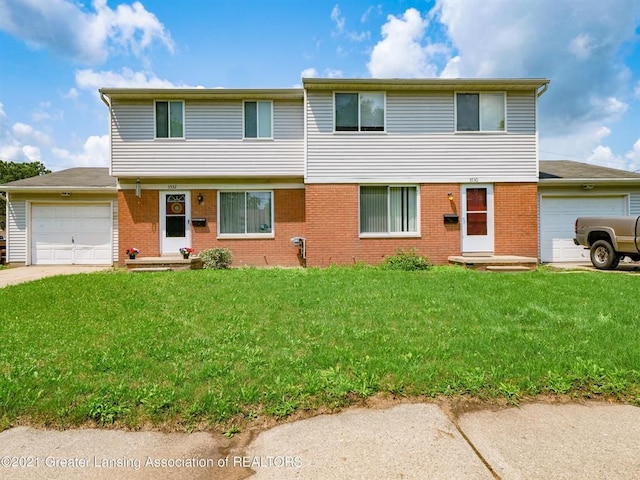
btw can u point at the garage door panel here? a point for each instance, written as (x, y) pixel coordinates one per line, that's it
(557, 220)
(71, 234)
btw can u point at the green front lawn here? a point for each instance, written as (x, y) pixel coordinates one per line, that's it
(209, 348)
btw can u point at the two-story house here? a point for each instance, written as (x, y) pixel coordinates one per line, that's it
(355, 167)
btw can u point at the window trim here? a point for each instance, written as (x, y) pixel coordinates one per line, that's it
(359, 126)
(244, 126)
(155, 120)
(245, 235)
(480, 95)
(390, 234)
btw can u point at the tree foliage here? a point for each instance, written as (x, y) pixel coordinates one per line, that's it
(11, 171)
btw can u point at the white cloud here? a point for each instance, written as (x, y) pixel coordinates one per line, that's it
(309, 73)
(338, 19)
(580, 46)
(91, 80)
(401, 52)
(94, 153)
(87, 37)
(26, 133)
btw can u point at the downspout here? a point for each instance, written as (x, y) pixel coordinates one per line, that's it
(103, 97)
(545, 87)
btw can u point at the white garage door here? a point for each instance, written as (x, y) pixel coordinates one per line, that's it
(71, 234)
(557, 220)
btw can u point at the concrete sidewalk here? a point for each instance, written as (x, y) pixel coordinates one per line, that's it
(409, 441)
(15, 275)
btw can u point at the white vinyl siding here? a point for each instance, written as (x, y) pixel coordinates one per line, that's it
(213, 144)
(634, 204)
(17, 231)
(420, 144)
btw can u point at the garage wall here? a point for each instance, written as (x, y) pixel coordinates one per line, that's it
(599, 201)
(634, 204)
(18, 219)
(16, 231)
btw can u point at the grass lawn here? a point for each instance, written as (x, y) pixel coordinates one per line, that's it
(201, 349)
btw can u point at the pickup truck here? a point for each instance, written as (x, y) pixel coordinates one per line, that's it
(609, 239)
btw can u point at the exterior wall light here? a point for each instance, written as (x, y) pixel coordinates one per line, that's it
(450, 196)
(138, 188)
(200, 199)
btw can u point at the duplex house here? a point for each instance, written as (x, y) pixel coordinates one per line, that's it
(338, 171)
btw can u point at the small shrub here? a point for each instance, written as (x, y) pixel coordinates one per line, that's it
(406, 260)
(216, 258)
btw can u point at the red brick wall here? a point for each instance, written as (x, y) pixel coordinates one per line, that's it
(516, 219)
(139, 226)
(138, 223)
(332, 227)
(327, 216)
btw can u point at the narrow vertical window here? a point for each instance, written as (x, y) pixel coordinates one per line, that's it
(258, 119)
(169, 119)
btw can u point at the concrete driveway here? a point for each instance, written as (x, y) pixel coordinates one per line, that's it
(15, 275)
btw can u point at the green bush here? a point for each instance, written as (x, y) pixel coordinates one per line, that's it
(406, 260)
(216, 258)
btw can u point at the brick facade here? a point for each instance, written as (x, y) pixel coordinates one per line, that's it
(327, 216)
(139, 226)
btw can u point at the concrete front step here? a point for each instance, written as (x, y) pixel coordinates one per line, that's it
(495, 262)
(164, 263)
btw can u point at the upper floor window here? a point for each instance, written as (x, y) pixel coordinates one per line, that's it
(480, 112)
(359, 112)
(170, 119)
(388, 210)
(258, 119)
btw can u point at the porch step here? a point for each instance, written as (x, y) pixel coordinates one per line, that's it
(150, 269)
(156, 264)
(496, 262)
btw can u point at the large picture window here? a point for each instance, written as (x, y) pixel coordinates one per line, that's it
(258, 119)
(480, 112)
(362, 112)
(246, 213)
(170, 119)
(388, 210)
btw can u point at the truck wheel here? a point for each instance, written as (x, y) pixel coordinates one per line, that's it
(603, 256)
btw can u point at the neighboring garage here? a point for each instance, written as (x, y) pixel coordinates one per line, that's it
(568, 190)
(63, 218)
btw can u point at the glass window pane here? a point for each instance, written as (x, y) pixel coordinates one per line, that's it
(259, 212)
(346, 112)
(232, 212)
(264, 119)
(476, 223)
(175, 226)
(162, 119)
(250, 120)
(373, 210)
(372, 112)
(476, 199)
(492, 112)
(403, 209)
(467, 113)
(175, 127)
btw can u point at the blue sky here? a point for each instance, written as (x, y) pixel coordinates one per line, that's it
(55, 54)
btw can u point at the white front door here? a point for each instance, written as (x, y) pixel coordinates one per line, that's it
(477, 219)
(175, 222)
